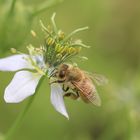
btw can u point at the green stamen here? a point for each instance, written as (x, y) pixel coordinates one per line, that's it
(74, 32)
(54, 24)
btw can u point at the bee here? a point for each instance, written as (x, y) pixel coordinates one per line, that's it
(78, 83)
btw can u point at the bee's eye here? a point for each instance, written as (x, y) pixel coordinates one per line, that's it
(62, 74)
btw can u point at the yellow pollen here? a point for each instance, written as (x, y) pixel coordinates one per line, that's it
(50, 41)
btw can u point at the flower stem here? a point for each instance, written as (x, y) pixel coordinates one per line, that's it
(12, 6)
(44, 6)
(21, 116)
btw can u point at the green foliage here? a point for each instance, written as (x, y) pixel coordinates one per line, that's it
(15, 21)
(114, 37)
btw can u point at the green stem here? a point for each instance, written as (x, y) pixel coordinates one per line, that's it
(44, 6)
(21, 116)
(12, 6)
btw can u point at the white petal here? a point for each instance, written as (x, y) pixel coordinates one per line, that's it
(57, 99)
(23, 85)
(14, 63)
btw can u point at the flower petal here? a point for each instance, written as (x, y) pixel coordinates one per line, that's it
(57, 99)
(23, 85)
(14, 63)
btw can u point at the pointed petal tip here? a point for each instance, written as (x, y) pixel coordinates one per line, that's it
(57, 99)
(66, 116)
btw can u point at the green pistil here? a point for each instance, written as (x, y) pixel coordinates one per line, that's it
(40, 71)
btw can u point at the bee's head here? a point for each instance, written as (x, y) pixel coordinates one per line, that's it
(62, 71)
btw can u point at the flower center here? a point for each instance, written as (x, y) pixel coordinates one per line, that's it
(36, 58)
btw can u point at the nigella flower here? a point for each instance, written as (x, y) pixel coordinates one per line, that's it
(29, 70)
(42, 61)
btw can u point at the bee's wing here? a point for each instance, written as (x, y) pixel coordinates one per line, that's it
(57, 99)
(93, 97)
(97, 78)
(96, 100)
(88, 96)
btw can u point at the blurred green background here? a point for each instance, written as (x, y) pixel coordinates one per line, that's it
(114, 35)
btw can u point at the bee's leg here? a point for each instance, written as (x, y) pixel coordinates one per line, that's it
(65, 89)
(72, 95)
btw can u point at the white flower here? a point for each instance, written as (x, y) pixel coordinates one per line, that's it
(29, 70)
(24, 82)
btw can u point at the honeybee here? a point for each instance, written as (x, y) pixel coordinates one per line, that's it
(78, 83)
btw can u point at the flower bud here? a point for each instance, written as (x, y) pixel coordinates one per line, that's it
(61, 35)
